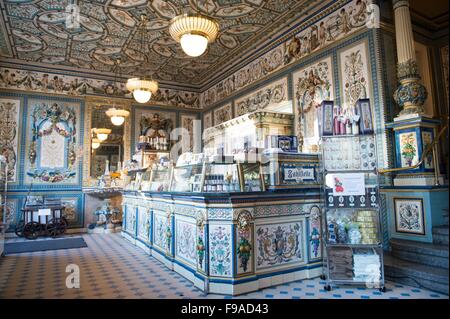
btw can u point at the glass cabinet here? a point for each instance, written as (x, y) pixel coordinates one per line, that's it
(252, 179)
(160, 178)
(187, 178)
(217, 178)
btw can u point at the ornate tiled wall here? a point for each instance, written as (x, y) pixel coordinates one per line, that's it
(344, 71)
(42, 137)
(34, 129)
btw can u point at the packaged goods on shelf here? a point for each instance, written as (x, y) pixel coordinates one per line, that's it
(366, 265)
(341, 266)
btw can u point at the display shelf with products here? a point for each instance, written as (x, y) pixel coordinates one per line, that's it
(185, 176)
(216, 177)
(352, 236)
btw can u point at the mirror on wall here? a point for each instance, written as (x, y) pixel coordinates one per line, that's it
(110, 140)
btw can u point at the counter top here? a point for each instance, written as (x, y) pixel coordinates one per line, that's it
(286, 195)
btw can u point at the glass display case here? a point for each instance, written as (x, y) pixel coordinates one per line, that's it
(252, 180)
(217, 177)
(146, 158)
(187, 178)
(290, 170)
(160, 178)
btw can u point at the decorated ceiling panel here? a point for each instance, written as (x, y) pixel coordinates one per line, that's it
(37, 31)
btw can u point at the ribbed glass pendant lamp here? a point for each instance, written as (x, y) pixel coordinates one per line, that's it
(193, 32)
(142, 88)
(116, 115)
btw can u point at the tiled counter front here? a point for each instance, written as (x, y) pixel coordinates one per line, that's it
(229, 243)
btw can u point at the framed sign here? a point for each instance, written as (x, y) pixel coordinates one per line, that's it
(348, 184)
(327, 118)
(292, 173)
(364, 111)
(409, 216)
(287, 143)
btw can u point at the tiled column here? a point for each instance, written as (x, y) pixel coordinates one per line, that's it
(410, 94)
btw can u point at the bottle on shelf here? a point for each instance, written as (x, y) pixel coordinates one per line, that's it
(348, 126)
(337, 127)
(341, 123)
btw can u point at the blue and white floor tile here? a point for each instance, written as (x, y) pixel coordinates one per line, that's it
(110, 267)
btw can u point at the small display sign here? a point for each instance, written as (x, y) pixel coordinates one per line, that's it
(293, 173)
(349, 184)
(44, 212)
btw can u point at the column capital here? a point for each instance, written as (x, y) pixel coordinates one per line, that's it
(400, 3)
(408, 69)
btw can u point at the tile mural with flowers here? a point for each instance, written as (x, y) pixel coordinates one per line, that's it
(9, 135)
(53, 141)
(220, 250)
(408, 149)
(185, 246)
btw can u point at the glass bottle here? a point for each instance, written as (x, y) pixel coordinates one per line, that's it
(337, 128)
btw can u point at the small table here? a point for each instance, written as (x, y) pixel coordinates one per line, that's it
(29, 228)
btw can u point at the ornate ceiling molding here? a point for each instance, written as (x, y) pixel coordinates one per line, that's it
(37, 32)
(46, 82)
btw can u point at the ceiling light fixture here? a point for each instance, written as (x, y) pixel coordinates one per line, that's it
(95, 143)
(193, 32)
(117, 115)
(102, 133)
(142, 89)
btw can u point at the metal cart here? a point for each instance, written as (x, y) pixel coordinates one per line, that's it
(343, 260)
(33, 225)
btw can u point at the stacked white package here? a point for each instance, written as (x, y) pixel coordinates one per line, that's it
(366, 266)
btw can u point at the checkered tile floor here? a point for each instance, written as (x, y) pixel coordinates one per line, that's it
(111, 267)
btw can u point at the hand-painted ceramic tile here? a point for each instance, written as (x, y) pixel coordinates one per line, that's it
(336, 25)
(201, 244)
(151, 122)
(409, 216)
(9, 135)
(12, 215)
(270, 95)
(187, 123)
(160, 231)
(185, 245)
(315, 234)
(220, 250)
(207, 120)
(78, 86)
(354, 72)
(409, 153)
(98, 165)
(72, 210)
(244, 242)
(222, 114)
(53, 142)
(312, 85)
(130, 221)
(143, 230)
(279, 244)
(341, 23)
